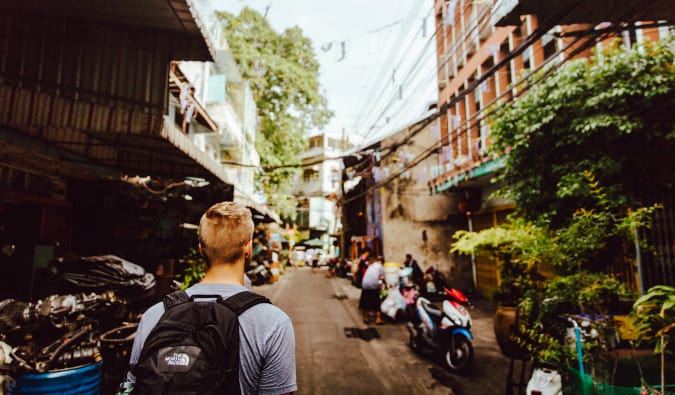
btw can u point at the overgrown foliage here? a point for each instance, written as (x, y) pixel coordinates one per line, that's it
(580, 254)
(611, 115)
(283, 73)
(582, 146)
(654, 315)
(544, 313)
(599, 237)
(195, 269)
(518, 247)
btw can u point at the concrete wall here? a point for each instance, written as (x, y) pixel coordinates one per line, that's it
(413, 221)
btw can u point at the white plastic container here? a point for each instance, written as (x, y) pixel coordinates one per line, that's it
(391, 270)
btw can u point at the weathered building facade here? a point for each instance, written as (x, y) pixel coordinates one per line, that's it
(93, 159)
(484, 51)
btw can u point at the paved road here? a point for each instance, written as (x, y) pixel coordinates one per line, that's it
(329, 361)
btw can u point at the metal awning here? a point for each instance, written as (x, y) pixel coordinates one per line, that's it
(475, 176)
(267, 214)
(191, 21)
(567, 12)
(169, 155)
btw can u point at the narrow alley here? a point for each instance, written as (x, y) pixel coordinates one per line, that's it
(332, 360)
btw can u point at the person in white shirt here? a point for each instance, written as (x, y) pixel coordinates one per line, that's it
(370, 290)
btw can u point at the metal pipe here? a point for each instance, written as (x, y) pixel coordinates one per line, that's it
(577, 335)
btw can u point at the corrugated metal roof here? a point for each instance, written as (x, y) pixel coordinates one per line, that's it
(175, 17)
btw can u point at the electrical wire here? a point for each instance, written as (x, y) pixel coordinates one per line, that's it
(387, 61)
(395, 94)
(482, 18)
(431, 149)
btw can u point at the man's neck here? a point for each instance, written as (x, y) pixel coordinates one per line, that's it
(225, 273)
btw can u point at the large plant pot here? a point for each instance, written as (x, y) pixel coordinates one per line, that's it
(505, 328)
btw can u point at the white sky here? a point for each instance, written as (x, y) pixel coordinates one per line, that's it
(377, 33)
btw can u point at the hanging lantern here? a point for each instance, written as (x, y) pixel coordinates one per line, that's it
(469, 205)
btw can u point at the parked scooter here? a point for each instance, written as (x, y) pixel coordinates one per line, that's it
(446, 330)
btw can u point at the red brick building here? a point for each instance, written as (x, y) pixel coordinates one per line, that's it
(484, 48)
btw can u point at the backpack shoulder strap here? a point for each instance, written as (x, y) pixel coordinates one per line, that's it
(174, 298)
(242, 301)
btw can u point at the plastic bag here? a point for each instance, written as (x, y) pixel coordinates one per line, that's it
(546, 381)
(393, 303)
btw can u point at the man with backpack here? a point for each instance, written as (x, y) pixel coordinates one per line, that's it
(216, 337)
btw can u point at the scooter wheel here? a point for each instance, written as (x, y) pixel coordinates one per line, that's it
(415, 343)
(458, 356)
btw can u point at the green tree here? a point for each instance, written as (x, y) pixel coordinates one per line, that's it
(611, 115)
(283, 73)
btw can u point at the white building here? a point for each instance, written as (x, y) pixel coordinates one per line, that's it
(318, 187)
(228, 135)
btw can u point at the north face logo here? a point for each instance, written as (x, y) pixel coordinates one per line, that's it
(178, 359)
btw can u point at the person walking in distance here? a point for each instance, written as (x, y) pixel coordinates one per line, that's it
(417, 274)
(370, 290)
(361, 266)
(266, 339)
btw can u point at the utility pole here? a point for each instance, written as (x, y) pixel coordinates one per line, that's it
(340, 206)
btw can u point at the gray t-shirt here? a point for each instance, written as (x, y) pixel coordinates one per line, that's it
(266, 349)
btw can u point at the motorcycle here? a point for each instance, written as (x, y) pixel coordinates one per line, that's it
(57, 332)
(446, 330)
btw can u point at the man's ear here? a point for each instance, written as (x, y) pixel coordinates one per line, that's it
(201, 250)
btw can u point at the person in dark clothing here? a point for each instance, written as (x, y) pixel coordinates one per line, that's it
(362, 266)
(417, 274)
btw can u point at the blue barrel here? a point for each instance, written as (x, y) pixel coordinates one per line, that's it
(83, 380)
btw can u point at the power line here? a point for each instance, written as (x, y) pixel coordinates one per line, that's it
(388, 60)
(466, 35)
(395, 88)
(460, 41)
(431, 149)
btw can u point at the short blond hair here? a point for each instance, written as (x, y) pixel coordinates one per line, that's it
(224, 230)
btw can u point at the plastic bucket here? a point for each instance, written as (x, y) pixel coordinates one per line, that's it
(83, 380)
(391, 273)
(405, 277)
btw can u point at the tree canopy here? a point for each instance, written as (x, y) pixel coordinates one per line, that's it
(283, 73)
(611, 116)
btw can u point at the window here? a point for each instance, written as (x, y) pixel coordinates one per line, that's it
(315, 142)
(310, 175)
(550, 49)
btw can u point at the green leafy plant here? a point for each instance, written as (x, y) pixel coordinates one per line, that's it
(544, 312)
(610, 115)
(574, 167)
(517, 247)
(284, 77)
(194, 271)
(654, 317)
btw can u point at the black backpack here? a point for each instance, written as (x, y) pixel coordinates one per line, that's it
(194, 348)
